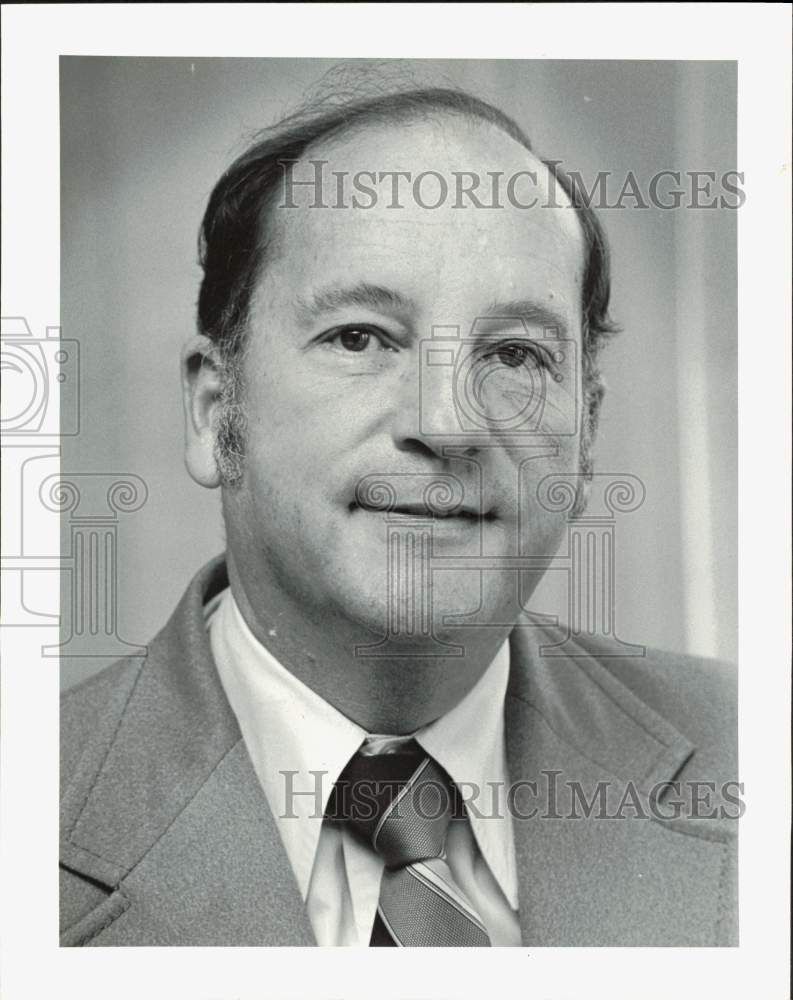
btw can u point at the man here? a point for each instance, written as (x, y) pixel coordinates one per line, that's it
(350, 732)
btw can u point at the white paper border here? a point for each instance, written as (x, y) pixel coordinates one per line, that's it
(758, 37)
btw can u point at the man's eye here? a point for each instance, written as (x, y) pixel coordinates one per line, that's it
(356, 339)
(515, 354)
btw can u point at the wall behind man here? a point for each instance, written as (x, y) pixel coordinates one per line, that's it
(144, 140)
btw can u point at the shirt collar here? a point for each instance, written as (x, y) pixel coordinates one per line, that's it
(299, 744)
(468, 742)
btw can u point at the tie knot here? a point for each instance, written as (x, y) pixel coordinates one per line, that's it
(401, 803)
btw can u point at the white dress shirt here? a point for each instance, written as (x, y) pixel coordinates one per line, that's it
(299, 744)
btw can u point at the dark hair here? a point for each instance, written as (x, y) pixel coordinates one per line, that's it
(232, 238)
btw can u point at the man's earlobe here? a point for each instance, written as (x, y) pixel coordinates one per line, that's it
(202, 392)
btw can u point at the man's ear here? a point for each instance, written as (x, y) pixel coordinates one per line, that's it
(202, 389)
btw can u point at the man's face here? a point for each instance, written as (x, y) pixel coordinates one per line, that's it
(342, 391)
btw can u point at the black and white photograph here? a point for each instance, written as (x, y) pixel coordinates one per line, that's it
(374, 506)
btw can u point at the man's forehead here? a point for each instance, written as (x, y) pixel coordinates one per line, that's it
(324, 217)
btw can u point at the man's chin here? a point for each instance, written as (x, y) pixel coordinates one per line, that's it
(407, 612)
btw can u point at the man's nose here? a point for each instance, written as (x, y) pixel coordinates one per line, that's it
(429, 415)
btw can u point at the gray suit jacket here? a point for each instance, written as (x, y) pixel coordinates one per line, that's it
(167, 839)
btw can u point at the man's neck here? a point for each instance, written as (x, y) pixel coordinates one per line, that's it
(395, 693)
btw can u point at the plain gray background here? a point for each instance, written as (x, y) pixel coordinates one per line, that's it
(143, 141)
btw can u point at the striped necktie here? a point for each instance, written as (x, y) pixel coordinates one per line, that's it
(401, 804)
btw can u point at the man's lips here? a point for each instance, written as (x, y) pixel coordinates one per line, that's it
(422, 509)
(441, 496)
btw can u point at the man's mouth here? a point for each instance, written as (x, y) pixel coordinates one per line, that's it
(421, 509)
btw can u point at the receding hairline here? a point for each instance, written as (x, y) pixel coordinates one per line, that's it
(389, 120)
(385, 121)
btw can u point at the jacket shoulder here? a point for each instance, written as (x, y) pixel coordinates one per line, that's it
(698, 695)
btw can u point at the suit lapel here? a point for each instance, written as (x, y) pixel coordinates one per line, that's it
(218, 876)
(174, 819)
(575, 735)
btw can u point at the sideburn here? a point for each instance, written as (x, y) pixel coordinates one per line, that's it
(230, 432)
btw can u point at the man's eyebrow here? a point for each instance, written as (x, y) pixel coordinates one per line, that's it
(363, 294)
(529, 311)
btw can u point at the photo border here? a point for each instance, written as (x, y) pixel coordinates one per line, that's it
(34, 37)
